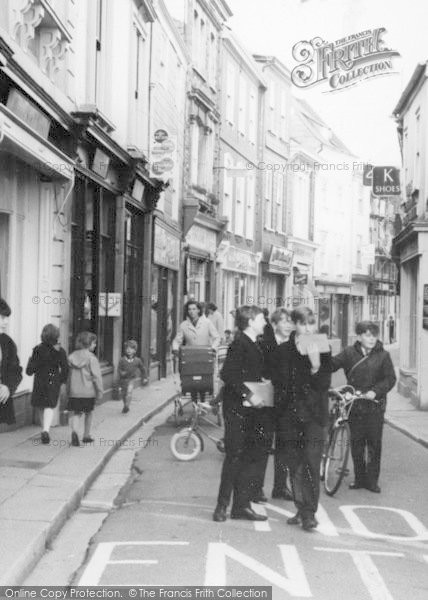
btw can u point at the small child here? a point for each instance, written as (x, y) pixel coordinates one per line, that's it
(85, 385)
(49, 365)
(369, 369)
(128, 368)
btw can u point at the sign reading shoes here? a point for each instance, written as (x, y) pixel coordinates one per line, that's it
(386, 181)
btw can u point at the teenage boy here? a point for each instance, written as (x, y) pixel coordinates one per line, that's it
(369, 369)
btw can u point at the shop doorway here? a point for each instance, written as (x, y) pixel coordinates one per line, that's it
(133, 297)
(163, 322)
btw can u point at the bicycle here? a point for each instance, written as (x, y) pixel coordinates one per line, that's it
(336, 453)
(186, 444)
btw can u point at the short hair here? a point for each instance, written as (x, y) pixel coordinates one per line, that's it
(211, 306)
(84, 339)
(303, 314)
(244, 314)
(50, 334)
(364, 326)
(131, 344)
(278, 314)
(227, 331)
(189, 303)
(4, 308)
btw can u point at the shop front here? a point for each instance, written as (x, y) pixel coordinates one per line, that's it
(164, 282)
(301, 290)
(276, 268)
(334, 311)
(201, 246)
(239, 271)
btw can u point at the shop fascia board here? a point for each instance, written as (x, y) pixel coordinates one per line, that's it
(30, 146)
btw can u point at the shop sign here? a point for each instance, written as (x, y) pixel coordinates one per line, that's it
(101, 162)
(202, 238)
(166, 250)
(236, 260)
(280, 259)
(300, 278)
(28, 112)
(163, 155)
(109, 304)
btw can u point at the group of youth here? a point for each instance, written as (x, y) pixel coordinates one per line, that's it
(300, 414)
(51, 367)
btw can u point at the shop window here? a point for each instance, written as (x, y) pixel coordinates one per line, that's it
(92, 264)
(4, 253)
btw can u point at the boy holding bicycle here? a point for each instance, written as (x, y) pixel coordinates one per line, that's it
(369, 369)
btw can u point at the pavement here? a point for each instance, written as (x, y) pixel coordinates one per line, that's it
(42, 485)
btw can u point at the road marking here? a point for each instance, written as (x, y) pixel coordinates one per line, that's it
(360, 529)
(325, 526)
(260, 525)
(101, 558)
(294, 582)
(368, 571)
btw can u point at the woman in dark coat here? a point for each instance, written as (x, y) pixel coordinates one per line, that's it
(245, 442)
(10, 369)
(301, 394)
(49, 365)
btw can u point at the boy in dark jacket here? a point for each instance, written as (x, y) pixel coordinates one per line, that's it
(10, 369)
(369, 369)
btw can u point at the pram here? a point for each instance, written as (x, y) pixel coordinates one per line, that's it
(198, 369)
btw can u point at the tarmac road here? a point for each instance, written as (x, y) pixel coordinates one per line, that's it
(367, 545)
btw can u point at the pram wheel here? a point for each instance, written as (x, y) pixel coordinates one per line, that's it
(220, 446)
(185, 445)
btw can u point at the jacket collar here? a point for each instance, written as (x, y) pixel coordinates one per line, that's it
(378, 347)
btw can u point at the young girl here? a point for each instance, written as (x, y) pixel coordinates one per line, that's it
(129, 366)
(49, 365)
(85, 385)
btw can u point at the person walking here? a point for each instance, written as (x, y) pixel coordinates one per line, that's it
(245, 445)
(369, 369)
(10, 369)
(214, 315)
(48, 363)
(128, 369)
(85, 385)
(195, 330)
(301, 384)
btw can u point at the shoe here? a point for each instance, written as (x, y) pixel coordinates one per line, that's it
(45, 437)
(309, 523)
(373, 488)
(75, 439)
(356, 486)
(259, 498)
(220, 514)
(88, 440)
(296, 520)
(125, 409)
(247, 513)
(284, 494)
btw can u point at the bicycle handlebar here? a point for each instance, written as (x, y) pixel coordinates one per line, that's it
(343, 390)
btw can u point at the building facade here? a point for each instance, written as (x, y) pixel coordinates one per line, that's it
(411, 241)
(241, 150)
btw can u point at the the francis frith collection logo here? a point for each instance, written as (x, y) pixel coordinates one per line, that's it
(342, 63)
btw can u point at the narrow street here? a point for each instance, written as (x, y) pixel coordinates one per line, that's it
(373, 546)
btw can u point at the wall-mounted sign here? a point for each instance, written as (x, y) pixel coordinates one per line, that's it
(386, 181)
(280, 260)
(425, 308)
(101, 162)
(28, 112)
(237, 260)
(166, 251)
(202, 238)
(300, 278)
(163, 155)
(109, 304)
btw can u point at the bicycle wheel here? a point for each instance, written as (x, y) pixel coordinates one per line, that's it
(185, 445)
(337, 458)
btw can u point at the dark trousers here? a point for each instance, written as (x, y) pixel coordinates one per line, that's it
(280, 472)
(246, 455)
(301, 449)
(366, 446)
(267, 424)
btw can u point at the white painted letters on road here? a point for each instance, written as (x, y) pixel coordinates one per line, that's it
(360, 529)
(294, 582)
(368, 571)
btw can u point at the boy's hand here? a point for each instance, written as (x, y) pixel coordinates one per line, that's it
(145, 381)
(371, 395)
(4, 393)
